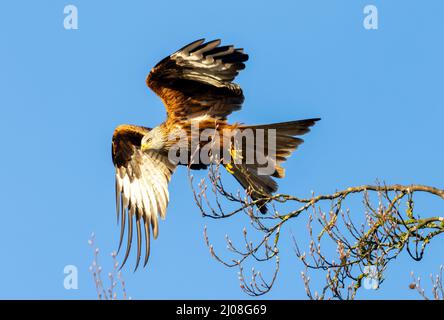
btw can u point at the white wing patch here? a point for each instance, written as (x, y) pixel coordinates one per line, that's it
(142, 192)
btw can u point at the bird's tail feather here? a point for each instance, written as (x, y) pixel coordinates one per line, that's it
(258, 184)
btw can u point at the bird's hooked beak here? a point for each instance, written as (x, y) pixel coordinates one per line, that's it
(145, 146)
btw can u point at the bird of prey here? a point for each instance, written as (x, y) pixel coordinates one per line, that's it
(196, 85)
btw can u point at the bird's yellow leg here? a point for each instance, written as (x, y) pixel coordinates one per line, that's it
(229, 168)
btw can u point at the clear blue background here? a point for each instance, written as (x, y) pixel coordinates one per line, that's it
(62, 93)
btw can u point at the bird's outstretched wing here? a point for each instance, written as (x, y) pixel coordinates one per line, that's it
(141, 186)
(197, 80)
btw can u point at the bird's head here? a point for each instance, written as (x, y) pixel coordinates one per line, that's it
(153, 140)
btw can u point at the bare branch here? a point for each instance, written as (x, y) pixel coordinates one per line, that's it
(390, 224)
(107, 292)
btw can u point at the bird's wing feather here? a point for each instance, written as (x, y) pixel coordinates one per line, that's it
(197, 80)
(141, 186)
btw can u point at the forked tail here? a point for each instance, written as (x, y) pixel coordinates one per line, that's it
(252, 175)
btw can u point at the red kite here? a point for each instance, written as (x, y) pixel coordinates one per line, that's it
(195, 85)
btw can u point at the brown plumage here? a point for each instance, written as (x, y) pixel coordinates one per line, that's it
(196, 86)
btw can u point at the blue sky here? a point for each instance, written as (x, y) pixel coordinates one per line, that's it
(379, 93)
